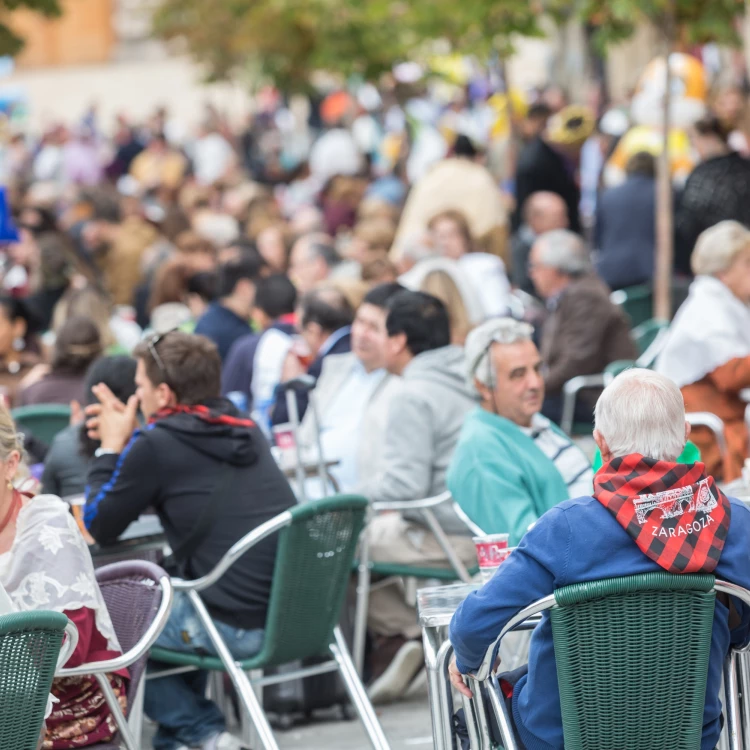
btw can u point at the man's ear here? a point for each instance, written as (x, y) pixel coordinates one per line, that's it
(688, 430)
(484, 391)
(165, 396)
(603, 447)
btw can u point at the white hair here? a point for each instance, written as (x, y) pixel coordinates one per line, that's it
(565, 251)
(479, 341)
(718, 246)
(642, 412)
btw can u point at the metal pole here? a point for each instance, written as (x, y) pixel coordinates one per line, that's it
(291, 405)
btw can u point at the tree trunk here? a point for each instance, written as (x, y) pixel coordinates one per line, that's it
(664, 260)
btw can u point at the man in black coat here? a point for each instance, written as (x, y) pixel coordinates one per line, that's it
(549, 163)
(209, 474)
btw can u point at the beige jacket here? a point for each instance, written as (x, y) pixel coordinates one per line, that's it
(336, 369)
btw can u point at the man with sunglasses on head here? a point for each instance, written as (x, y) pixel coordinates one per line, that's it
(511, 464)
(209, 474)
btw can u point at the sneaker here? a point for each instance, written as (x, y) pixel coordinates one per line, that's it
(392, 684)
(223, 741)
(418, 686)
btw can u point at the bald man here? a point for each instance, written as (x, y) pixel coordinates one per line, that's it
(542, 212)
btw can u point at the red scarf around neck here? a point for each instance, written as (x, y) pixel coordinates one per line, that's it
(202, 412)
(674, 512)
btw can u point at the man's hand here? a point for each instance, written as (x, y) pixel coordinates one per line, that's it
(111, 421)
(457, 679)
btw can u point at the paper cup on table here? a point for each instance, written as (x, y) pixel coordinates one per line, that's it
(491, 552)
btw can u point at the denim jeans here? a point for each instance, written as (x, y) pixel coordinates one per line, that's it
(177, 703)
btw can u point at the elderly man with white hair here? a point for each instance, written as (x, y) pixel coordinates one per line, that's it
(707, 352)
(640, 430)
(583, 331)
(511, 464)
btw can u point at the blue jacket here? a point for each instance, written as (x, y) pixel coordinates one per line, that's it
(577, 541)
(222, 326)
(625, 231)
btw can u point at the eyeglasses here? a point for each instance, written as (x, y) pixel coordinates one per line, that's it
(151, 342)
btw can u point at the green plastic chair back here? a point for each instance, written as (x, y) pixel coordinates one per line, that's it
(632, 661)
(43, 421)
(638, 303)
(313, 564)
(29, 647)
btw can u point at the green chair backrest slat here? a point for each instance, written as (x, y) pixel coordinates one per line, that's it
(632, 661)
(638, 304)
(645, 334)
(313, 564)
(43, 421)
(29, 647)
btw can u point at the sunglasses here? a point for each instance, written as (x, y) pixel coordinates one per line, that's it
(152, 342)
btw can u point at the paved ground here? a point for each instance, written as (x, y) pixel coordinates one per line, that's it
(406, 724)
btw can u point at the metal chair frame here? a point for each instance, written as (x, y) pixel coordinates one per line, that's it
(130, 731)
(242, 683)
(425, 507)
(486, 683)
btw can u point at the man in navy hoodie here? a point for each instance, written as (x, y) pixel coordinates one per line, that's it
(640, 430)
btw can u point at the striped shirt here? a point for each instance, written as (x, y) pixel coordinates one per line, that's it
(568, 458)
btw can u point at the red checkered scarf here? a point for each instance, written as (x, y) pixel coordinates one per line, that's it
(675, 513)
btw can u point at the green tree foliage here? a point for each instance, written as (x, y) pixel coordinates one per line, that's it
(288, 40)
(10, 42)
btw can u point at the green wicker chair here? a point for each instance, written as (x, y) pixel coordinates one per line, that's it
(316, 546)
(30, 648)
(43, 421)
(608, 635)
(636, 301)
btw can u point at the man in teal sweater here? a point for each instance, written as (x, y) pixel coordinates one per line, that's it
(511, 464)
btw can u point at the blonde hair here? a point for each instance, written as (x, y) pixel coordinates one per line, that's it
(90, 303)
(439, 284)
(10, 439)
(718, 247)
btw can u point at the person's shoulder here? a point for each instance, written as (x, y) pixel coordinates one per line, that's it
(740, 512)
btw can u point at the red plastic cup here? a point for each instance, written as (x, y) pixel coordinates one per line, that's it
(492, 550)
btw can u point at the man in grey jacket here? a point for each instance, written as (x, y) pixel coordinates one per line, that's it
(424, 421)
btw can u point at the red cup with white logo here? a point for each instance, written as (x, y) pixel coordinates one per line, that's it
(492, 550)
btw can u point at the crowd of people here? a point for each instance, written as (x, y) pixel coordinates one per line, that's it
(434, 304)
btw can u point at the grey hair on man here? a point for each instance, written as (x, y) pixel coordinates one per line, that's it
(480, 340)
(641, 411)
(564, 251)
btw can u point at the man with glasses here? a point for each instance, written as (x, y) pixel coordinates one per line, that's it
(511, 464)
(209, 474)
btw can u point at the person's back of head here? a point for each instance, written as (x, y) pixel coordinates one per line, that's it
(244, 267)
(382, 294)
(641, 412)
(417, 323)
(275, 297)
(77, 345)
(118, 374)
(641, 164)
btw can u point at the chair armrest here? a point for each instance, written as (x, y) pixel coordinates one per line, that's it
(570, 392)
(235, 552)
(548, 602)
(427, 502)
(68, 646)
(144, 644)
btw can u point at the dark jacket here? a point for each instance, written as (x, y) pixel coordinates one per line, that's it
(280, 414)
(541, 168)
(222, 326)
(717, 189)
(174, 465)
(237, 373)
(55, 388)
(583, 333)
(625, 233)
(64, 466)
